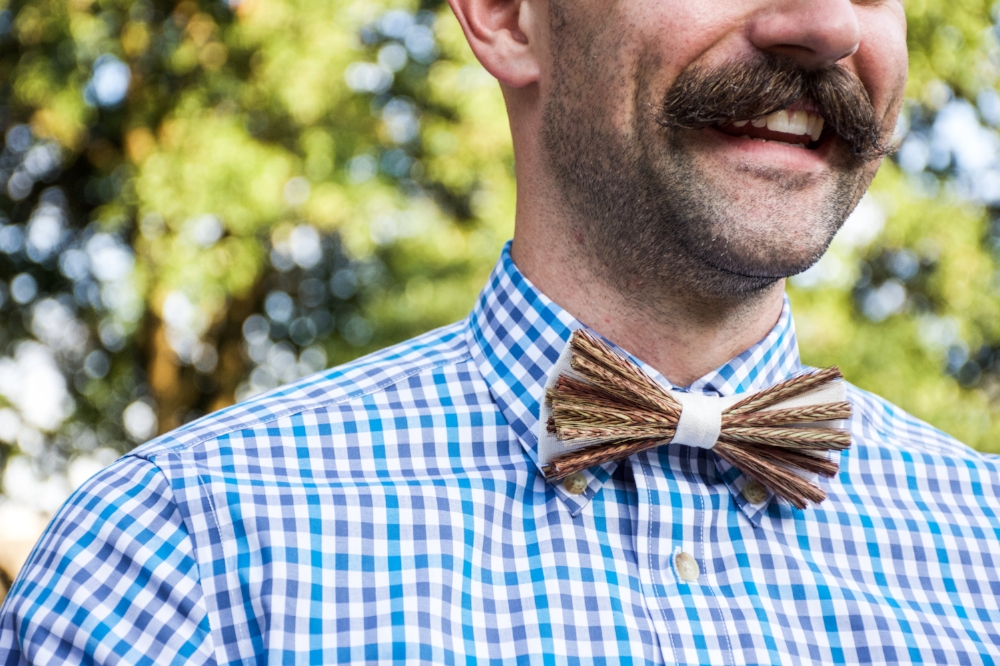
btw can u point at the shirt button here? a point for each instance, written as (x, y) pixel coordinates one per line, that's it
(575, 484)
(687, 566)
(754, 492)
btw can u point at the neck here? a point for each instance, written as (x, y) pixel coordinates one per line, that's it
(681, 334)
(675, 329)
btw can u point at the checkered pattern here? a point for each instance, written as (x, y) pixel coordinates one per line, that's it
(392, 510)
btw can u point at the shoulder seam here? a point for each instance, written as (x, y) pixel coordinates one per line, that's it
(360, 393)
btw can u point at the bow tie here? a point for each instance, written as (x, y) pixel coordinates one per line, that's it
(601, 407)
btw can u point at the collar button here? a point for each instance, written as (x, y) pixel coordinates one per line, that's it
(575, 484)
(754, 492)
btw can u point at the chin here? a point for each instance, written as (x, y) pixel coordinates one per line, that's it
(754, 268)
(751, 255)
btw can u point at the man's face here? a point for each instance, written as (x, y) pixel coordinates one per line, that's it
(668, 183)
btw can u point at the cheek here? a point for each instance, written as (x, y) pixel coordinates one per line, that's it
(676, 33)
(882, 61)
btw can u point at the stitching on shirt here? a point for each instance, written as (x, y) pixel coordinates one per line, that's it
(304, 409)
(711, 588)
(177, 451)
(652, 570)
(240, 627)
(194, 549)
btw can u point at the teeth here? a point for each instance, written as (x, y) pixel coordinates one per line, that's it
(817, 127)
(802, 123)
(798, 122)
(778, 122)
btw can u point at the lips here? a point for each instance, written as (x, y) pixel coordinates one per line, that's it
(795, 127)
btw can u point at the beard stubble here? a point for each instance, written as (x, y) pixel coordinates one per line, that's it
(649, 218)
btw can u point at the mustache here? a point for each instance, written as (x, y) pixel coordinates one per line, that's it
(750, 89)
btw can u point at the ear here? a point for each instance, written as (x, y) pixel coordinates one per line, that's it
(506, 36)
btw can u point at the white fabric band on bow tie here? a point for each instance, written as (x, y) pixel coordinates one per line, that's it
(701, 419)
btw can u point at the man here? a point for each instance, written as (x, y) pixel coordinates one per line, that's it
(676, 161)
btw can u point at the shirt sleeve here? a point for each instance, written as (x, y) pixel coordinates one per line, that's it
(113, 580)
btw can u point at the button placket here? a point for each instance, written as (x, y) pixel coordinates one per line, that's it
(689, 601)
(708, 578)
(651, 560)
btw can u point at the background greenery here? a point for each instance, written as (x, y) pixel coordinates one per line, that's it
(202, 201)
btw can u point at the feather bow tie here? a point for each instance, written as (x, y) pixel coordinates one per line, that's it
(601, 407)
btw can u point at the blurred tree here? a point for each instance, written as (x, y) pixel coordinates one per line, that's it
(201, 201)
(906, 301)
(205, 201)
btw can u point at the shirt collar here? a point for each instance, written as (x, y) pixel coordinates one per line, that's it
(516, 335)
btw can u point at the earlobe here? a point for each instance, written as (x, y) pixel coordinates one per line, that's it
(504, 35)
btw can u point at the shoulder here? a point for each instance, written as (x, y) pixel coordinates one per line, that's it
(107, 507)
(119, 543)
(437, 352)
(878, 420)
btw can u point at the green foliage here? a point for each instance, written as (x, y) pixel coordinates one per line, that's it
(950, 307)
(199, 154)
(935, 353)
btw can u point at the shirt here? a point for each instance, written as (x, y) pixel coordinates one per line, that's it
(392, 510)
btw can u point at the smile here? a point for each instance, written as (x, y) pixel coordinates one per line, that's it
(798, 128)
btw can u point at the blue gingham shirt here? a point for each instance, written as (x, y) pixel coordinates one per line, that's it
(392, 510)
